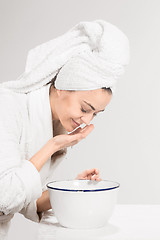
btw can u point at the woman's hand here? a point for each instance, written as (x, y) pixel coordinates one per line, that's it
(90, 174)
(63, 141)
(57, 143)
(43, 203)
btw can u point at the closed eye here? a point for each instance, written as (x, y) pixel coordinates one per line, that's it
(86, 112)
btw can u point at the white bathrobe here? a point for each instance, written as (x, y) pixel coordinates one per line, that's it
(25, 127)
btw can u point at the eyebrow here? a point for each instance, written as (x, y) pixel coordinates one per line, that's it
(92, 106)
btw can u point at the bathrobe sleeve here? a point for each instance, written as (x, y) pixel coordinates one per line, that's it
(20, 182)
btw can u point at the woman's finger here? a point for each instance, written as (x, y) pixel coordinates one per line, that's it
(89, 176)
(96, 170)
(94, 177)
(76, 131)
(88, 171)
(79, 135)
(86, 130)
(99, 179)
(75, 137)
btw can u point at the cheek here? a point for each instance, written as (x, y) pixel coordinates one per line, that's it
(69, 109)
(73, 112)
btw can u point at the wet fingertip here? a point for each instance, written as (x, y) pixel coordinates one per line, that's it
(97, 170)
(99, 179)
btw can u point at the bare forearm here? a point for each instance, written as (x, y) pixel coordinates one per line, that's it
(40, 158)
(43, 203)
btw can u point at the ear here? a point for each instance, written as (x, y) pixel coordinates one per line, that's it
(59, 92)
(62, 93)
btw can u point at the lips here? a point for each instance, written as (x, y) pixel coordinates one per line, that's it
(76, 123)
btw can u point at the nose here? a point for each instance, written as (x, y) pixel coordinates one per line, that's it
(87, 118)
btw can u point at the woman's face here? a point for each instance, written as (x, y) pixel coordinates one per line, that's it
(79, 106)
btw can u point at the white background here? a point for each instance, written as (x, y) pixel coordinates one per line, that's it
(125, 142)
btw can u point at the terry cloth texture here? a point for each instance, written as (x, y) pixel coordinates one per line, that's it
(89, 56)
(25, 127)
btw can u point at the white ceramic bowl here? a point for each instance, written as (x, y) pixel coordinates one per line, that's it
(83, 203)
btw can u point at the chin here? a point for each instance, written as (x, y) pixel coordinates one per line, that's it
(67, 126)
(70, 127)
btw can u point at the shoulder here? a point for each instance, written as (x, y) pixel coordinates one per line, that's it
(9, 104)
(11, 119)
(8, 97)
(4, 92)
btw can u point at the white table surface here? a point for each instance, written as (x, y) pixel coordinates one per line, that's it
(128, 222)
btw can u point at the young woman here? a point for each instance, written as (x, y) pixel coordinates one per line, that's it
(71, 109)
(66, 83)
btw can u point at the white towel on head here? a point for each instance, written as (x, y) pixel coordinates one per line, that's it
(89, 56)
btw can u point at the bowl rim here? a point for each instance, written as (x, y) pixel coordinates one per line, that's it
(82, 190)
